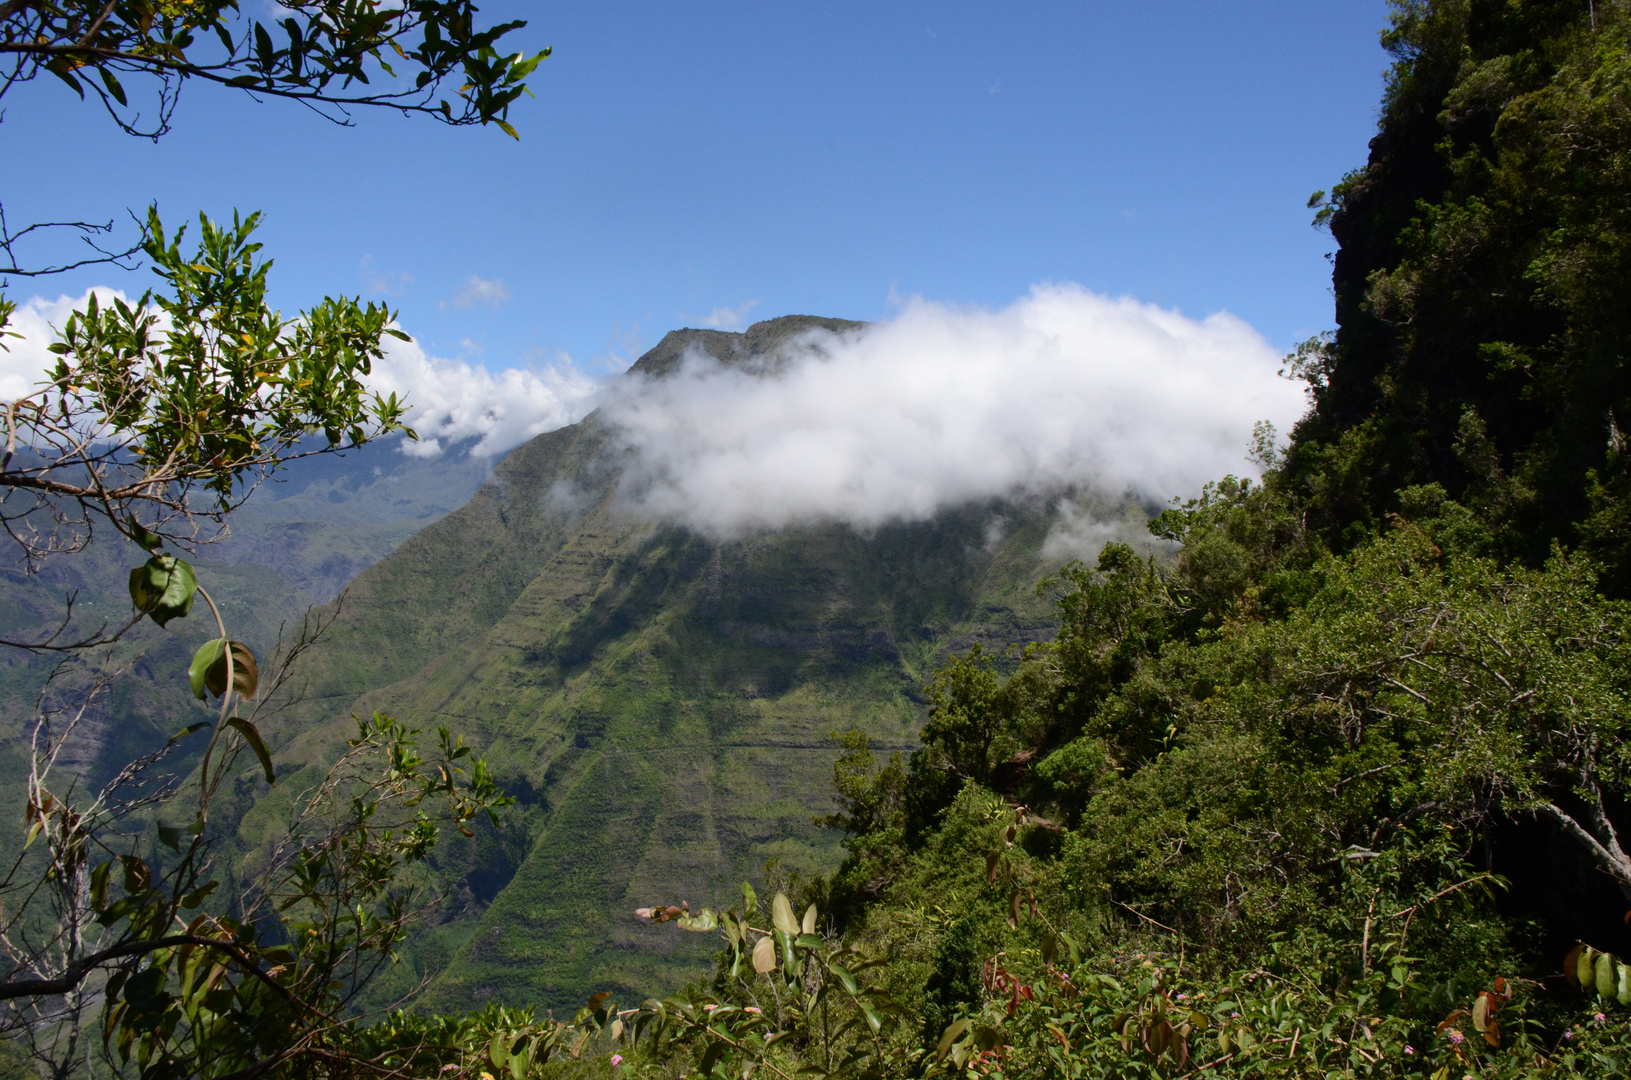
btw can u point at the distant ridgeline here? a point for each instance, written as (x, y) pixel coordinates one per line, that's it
(296, 542)
(660, 704)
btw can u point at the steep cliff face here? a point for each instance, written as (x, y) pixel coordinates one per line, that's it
(1481, 284)
(659, 702)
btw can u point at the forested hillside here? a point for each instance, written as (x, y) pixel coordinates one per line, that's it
(1341, 789)
(1322, 774)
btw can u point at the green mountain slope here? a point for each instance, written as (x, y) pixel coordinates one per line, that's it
(660, 703)
(294, 543)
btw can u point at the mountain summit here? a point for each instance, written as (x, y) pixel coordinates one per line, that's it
(660, 703)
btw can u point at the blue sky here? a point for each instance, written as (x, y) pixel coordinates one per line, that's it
(682, 161)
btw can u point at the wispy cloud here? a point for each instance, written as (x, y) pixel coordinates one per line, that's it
(726, 318)
(381, 282)
(480, 292)
(452, 400)
(1063, 390)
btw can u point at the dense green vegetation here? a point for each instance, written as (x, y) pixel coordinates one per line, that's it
(1339, 790)
(1336, 789)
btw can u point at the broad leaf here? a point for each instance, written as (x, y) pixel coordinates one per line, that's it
(253, 738)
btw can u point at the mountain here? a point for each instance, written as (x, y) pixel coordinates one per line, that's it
(295, 543)
(660, 703)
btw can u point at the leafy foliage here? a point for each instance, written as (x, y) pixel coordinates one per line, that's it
(199, 386)
(324, 52)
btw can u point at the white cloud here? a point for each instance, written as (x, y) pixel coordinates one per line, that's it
(1064, 389)
(1062, 392)
(26, 360)
(724, 318)
(452, 400)
(480, 291)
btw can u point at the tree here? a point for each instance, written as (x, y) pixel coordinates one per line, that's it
(202, 386)
(159, 418)
(198, 388)
(1481, 284)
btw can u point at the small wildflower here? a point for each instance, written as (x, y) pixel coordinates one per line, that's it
(1568, 1033)
(1410, 1050)
(486, 1075)
(1234, 1016)
(1599, 1017)
(710, 1008)
(754, 1009)
(1456, 1037)
(617, 1059)
(1181, 997)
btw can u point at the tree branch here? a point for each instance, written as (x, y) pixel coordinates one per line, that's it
(1615, 862)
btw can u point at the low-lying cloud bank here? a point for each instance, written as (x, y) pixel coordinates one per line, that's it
(1064, 389)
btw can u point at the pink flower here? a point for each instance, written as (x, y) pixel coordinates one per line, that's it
(1599, 1017)
(1456, 1037)
(754, 1009)
(1569, 1033)
(617, 1059)
(1409, 1049)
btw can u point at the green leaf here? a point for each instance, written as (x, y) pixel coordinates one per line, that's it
(188, 730)
(138, 876)
(1605, 975)
(253, 738)
(163, 588)
(701, 922)
(66, 76)
(950, 1036)
(204, 659)
(847, 979)
(764, 956)
(790, 959)
(498, 1050)
(782, 915)
(504, 126)
(145, 990)
(750, 901)
(138, 532)
(710, 1059)
(115, 89)
(522, 68)
(99, 884)
(245, 673)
